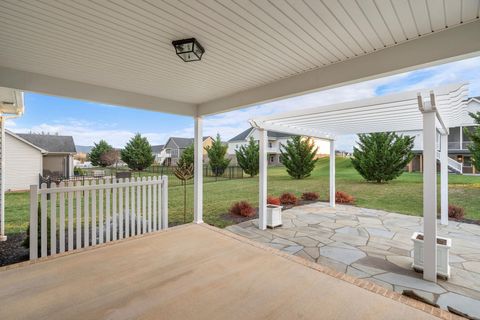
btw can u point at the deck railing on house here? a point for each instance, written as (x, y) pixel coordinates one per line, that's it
(75, 215)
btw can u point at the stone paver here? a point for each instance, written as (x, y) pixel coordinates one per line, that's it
(375, 245)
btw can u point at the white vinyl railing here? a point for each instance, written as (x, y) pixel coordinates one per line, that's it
(74, 215)
(452, 164)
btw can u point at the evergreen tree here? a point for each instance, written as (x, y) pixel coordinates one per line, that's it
(247, 157)
(137, 154)
(382, 157)
(474, 135)
(187, 157)
(98, 151)
(298, 156)
(216, 156)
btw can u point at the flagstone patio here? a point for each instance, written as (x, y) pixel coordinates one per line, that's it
(376, 245)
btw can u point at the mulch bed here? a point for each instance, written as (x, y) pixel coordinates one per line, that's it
(12, 251)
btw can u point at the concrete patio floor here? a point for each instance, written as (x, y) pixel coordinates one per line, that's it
(375, 245)
(193, 272)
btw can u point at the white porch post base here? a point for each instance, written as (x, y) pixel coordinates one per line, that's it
(262, 176)
(332, 173)
(3, 237)
(198, 171)
(429, 195)
(444, 179)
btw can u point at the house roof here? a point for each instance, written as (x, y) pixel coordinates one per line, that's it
(51, 143)
(271, 134)
(24, 141)
(181, 143)
(158, 148)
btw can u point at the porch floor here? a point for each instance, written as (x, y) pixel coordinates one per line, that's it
(188, 272)
(375, 245)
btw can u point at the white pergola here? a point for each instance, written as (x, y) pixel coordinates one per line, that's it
(120, 52)
(433, 112)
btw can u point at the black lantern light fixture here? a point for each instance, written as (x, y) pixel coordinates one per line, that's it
(188, 49)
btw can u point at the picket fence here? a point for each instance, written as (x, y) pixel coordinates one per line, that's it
(73, 215)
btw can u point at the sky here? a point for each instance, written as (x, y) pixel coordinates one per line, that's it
(89, 122)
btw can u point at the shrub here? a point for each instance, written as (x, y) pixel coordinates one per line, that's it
(78, 171)
(242, 208)
(288, 198)
(273, 200)
(343, 197)
(310, 196)
(456, 212)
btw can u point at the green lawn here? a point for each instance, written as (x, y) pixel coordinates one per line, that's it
(402, 195)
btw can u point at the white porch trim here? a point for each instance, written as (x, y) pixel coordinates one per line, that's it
(198, 171)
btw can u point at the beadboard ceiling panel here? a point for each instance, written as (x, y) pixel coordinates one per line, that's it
(126, 44)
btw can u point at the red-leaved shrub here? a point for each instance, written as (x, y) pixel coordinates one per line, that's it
(456, 212)
(309, 196)
(273, 200)
(242, 208)
(343, 197)
(288, 198)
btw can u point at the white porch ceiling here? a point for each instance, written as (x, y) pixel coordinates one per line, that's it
(125, 45)
(396, 112)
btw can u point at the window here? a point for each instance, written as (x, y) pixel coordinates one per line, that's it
(270, 145)
(272, 159)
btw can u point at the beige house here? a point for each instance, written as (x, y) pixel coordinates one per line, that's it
(29, 156)
(24, 162)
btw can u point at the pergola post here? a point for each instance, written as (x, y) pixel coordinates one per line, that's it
(429, 193)
(198, 171)
(444, 179)
(262, 176)
(3, 237)
(332, 173)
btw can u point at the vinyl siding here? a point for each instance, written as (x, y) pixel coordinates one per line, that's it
(23, 164)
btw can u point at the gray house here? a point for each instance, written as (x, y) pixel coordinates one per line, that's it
(175, 147)
(58, 155)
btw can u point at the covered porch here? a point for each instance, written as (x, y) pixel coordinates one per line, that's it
(120, 53)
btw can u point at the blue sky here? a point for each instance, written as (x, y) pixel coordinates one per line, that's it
(89, 122)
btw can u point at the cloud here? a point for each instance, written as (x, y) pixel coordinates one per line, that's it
(10, 124)
(86, 133)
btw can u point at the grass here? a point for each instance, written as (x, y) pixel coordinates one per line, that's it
(403, 195)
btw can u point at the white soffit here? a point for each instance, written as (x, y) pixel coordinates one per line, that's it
(120, 51)
(396, 112)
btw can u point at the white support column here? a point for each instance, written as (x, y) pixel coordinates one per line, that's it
(444, 179)
(262, 176)
(332, 173)
(429, 195)
(198, 171)
(3, 237)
